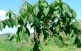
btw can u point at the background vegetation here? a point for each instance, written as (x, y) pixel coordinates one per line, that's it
(6, 45)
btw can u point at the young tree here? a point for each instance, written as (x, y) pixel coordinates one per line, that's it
(44, 18)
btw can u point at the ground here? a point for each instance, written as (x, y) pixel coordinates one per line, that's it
(6, 45)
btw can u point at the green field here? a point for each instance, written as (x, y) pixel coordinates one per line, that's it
(6, 45)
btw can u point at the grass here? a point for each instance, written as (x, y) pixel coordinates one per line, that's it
(55, 48)
(6, 45)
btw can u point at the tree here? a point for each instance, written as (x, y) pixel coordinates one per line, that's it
(44, 18)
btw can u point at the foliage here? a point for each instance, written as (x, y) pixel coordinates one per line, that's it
(41, 17)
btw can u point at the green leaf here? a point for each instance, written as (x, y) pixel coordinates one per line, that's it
(4, 24)
(36, 20)
(58, 42)
(56, 13)
(15, 22)
(61, 23)
(21, 12)
(27, 31)
(11, 37)
(67, 19)
(17, 37)
(46, 10)
(31, 19)
(79, 38)
(12, 23)
(72, 39)
(25, 36)
(44, 4)
(24, 29)
(31, 8)
(1, 26)
(7, 13)
(74, 14)
(10, 15)
(36, 10)
(58, 1)
(21, 21)
(76, 24)
(66, 8)
(42, 0)
(21, 33)
(57, 4)
(45, 33)
(9, 24)
(25, 7)
(71, 34)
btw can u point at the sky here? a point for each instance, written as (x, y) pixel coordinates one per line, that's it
(14, 5)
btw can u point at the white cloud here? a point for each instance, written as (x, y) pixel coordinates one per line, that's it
(2, 15)
(2, 12)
